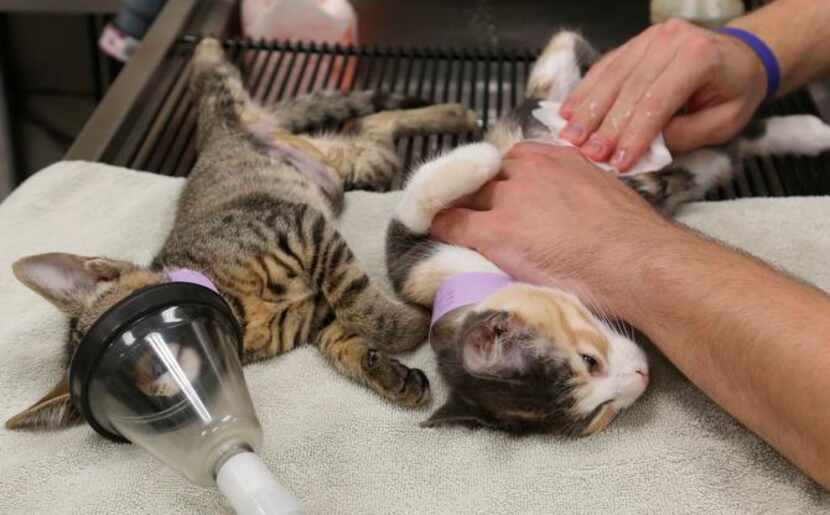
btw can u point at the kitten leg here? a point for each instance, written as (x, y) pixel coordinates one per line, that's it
(359, 304)
(437, 119)
(416, 264)
(691, 176)
(353, 357)
(436, 184)
(328, 109)
(566, 58)
(362, 163)
(222, 102)
(803, 134)
(685, 180)
(369, 160)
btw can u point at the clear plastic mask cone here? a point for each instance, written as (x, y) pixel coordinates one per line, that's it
(172, 383)
(161, 369)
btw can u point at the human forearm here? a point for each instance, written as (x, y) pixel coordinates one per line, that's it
(797, 31)
(763, 356)
(756, 341)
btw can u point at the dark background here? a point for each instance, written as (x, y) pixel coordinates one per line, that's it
(55, 76)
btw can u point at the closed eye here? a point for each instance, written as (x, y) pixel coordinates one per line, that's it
(591, 363)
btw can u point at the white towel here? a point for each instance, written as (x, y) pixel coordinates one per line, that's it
(339, 447)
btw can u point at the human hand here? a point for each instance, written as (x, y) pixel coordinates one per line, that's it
(554, 218)
(636, 91)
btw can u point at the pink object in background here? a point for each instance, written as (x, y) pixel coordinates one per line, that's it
(333, 21)
(330, 21)
(117, 44)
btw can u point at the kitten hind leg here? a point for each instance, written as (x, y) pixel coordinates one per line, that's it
(566, 58)
(369, 160)
(327, 109)
(803, 134)
(352, 356)
(691, 176)
(362, 163)
(687, 179)
(437, 119)
(225, 108)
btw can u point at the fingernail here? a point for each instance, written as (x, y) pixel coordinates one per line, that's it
(566, 110)
(619, 159)
(574, 133)
(596, 148)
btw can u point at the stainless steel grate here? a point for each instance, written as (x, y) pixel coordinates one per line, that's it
(161, 133)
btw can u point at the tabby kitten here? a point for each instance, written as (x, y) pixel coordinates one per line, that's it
(256, 217)
(534, 359)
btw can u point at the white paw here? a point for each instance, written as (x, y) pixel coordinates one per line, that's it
(209, 49)
(817, 132)
(799, 134)
(207, 55)
(556, 72)
(439, 183)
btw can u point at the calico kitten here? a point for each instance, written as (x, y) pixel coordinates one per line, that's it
(534, 359)
(256, 217)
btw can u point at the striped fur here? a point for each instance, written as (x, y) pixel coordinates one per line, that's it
(256, 216)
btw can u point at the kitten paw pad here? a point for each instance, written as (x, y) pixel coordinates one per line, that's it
(395, 381)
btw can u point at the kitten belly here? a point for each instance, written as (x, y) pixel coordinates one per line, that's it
(312, 169)
(282, 145)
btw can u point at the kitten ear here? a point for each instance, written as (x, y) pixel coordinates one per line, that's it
(458, 412)
(489, 349)
(66, 280)
(54, 410)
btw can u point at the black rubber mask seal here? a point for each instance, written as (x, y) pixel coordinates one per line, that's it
(118, 319)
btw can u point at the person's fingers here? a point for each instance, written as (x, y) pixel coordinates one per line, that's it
(592, 77)
(601, 143)
(587, 83)
(462, 227)
(663, 99)
(703, 128)
(593, 107)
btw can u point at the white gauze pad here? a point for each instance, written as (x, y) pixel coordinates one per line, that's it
(657, 157)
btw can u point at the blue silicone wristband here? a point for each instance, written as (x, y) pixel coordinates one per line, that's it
(764, 53)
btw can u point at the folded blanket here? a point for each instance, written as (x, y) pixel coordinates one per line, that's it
(339, 447)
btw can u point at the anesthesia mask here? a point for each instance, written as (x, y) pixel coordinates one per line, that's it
(161, 369)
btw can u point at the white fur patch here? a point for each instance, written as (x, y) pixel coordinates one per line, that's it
(556, 72)
(709, 168)
(440, 182)
(446, 261)
(800, 134)
(621, 383)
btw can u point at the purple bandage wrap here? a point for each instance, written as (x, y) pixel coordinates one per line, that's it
(186, 275)
(465, 289)
(763, 52)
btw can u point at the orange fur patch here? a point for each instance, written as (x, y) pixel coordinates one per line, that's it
(555, 314)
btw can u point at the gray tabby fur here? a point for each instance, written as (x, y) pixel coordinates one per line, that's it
(256, 216)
